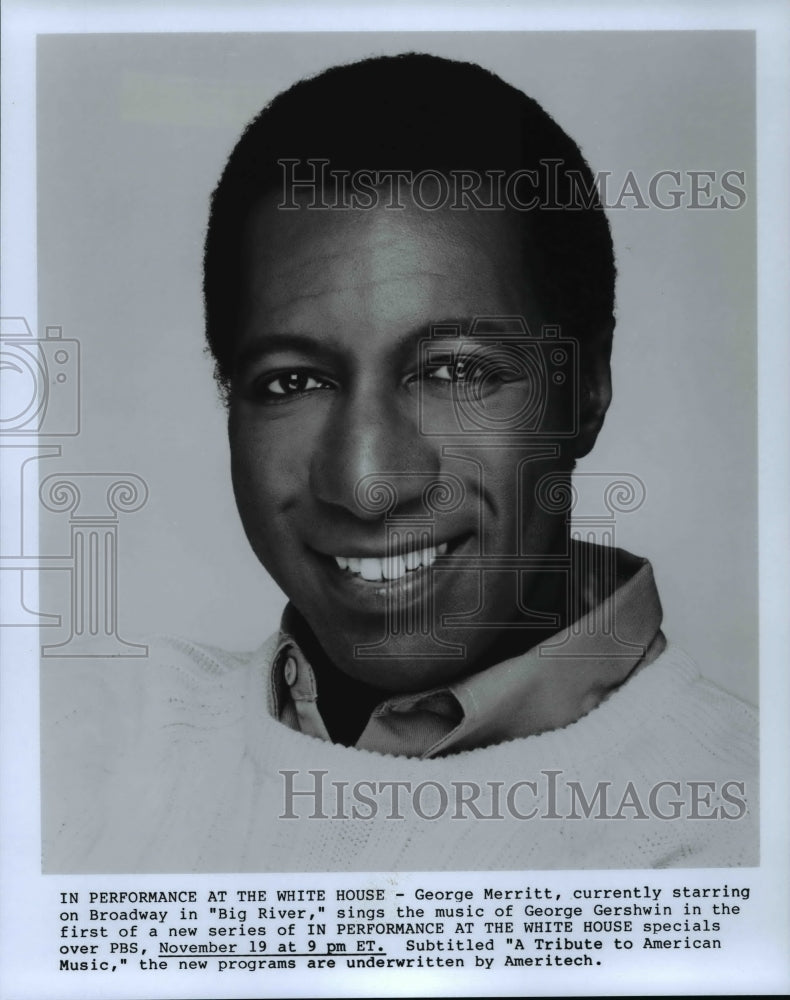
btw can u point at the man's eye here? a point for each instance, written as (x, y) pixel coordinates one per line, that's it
(479, 373)
(451, 371)
(274, 387)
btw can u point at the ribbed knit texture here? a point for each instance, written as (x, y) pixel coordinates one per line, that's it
(172, 765)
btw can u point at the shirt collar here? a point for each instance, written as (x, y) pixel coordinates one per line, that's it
(548, 687)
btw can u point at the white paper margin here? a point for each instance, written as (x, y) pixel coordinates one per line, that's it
(761, 963)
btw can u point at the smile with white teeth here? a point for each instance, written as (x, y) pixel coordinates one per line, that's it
(390, 567)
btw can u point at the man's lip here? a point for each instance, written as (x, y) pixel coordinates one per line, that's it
(421, 540)
(374, 596)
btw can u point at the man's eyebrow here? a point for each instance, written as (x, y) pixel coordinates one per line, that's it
(480, 326)
(456, 329)
(301, 343)
(322, 346)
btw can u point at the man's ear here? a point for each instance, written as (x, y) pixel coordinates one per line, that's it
(595, 389)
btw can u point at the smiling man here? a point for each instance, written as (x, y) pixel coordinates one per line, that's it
(330, 398)
(355, 356)
(409, 288)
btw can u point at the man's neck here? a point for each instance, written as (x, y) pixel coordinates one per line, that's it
(346, 704)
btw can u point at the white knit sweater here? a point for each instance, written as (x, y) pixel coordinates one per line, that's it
(174, 766)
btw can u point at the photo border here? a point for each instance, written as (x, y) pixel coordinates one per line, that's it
(761, 963)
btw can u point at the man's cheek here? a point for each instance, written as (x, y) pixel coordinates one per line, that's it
(256, 497)
(261, 463)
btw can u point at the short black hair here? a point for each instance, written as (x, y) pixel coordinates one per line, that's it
(420, 112)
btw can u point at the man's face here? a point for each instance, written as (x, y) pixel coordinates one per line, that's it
(359, 489)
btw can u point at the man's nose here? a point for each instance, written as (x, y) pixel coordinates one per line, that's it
(371, 458)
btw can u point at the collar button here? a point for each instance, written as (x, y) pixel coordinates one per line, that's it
(290, 672)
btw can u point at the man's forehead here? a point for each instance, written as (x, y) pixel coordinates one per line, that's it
(406, 241)
(398, 268)
(300, 214)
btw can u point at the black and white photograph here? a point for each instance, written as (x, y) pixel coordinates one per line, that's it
(393, 476)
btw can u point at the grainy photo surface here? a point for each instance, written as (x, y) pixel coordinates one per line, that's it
(411, 274)
(386, 602)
